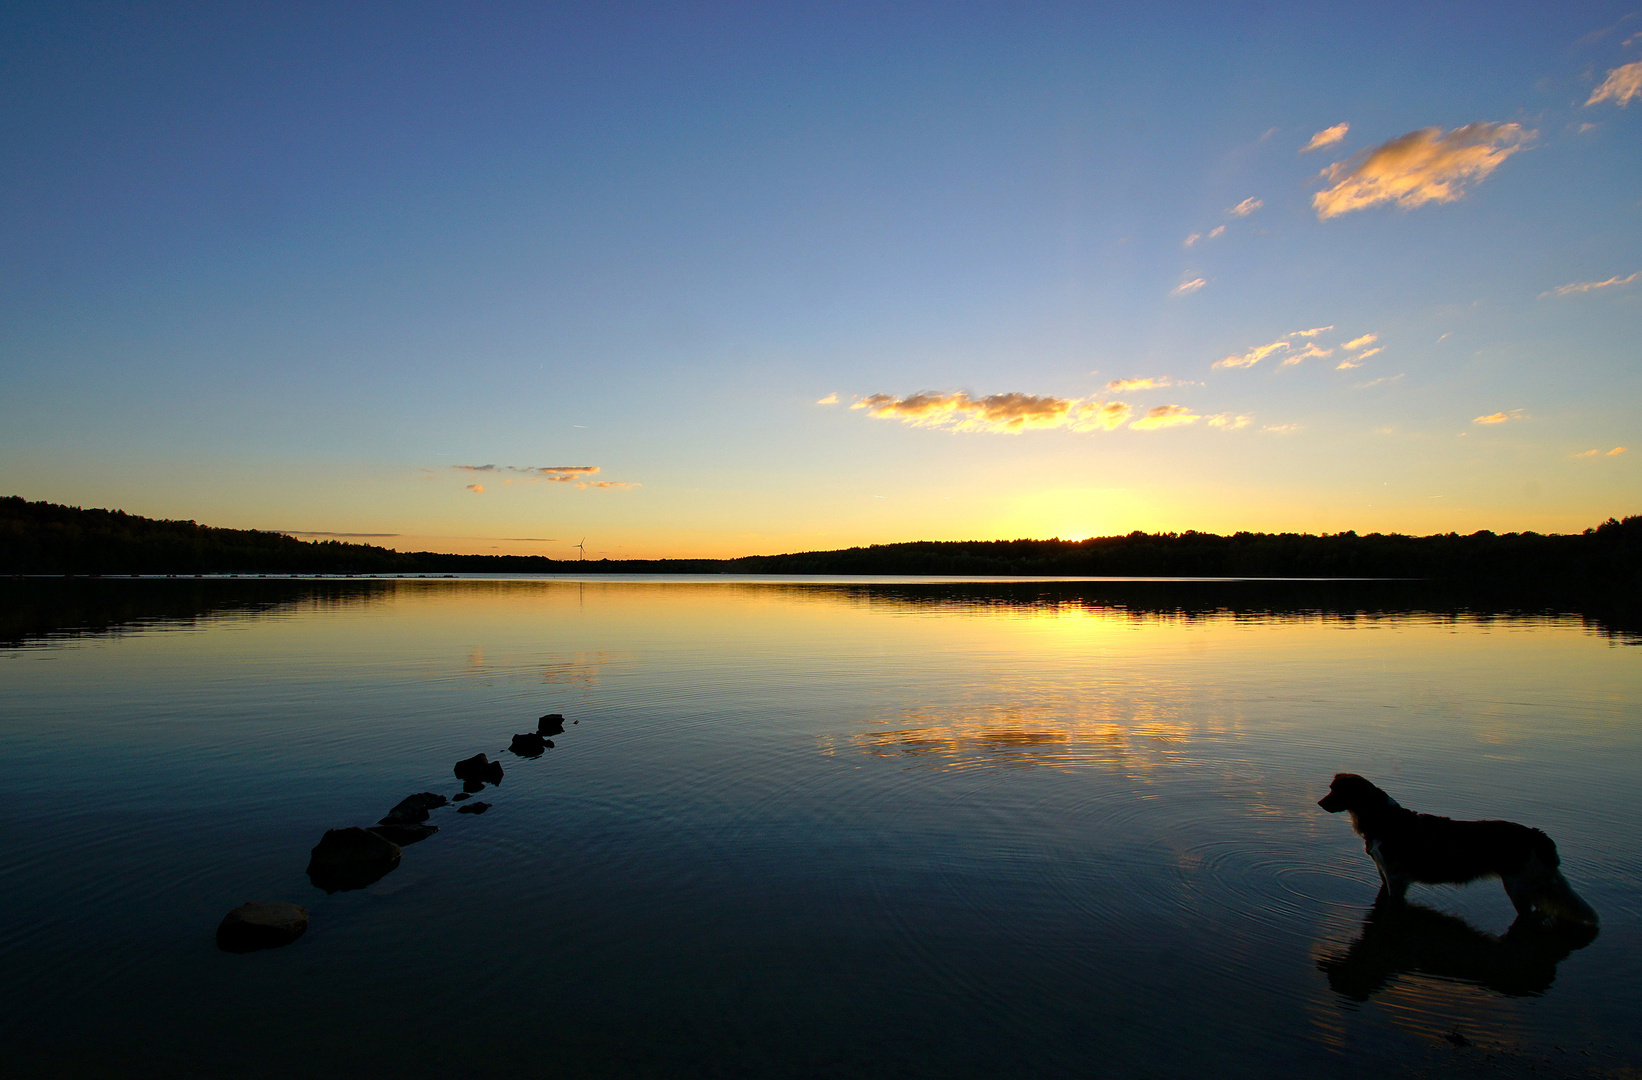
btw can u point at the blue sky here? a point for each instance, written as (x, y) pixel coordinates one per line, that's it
(293, 266)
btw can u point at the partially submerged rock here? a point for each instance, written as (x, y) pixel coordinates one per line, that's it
(462, 796)
(351, 859)
(530, 744)
(479, 768)
(403, 834)
(551, 724)
(261, 924)
(473, 808)
(414, 809)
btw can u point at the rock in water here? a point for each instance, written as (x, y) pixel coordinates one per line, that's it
(413, 809)
(530, 744)
(403, 834)
(479, 768)
(463, 795)
(551, 724)
(350, 859)
(473, 808)
(261, 924)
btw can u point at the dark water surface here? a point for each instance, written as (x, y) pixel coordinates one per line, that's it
(803, 829)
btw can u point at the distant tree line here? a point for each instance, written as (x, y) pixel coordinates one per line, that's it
(45, 538)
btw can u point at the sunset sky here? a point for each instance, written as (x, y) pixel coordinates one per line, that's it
(724, 279)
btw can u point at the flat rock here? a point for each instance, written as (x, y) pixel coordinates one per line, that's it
(464, 795)
(261, 924)
(473, 808)
(551, 724)
(479, 769)
(402, 835)
(413, 809)
(350, 859)
(529, 744)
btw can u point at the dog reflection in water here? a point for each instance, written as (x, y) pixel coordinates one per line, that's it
(1407, 847)
(1400, 938)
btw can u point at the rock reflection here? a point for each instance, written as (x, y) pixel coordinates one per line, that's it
(1411, 939)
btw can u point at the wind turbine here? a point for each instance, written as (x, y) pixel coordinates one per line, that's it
(581, 550)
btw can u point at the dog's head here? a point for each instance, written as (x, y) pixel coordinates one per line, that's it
(1351, 792)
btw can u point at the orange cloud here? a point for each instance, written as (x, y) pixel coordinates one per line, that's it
(585, 484)
(1421, 167)
(1306, 353)
(1253, 356)
(1125, 386)
(830, 399)
(1313, 332)
(1246, 207)
(1327, 137)
(1590, 286)
(1185, 288)
(1357, 343)
(477, 489)
(1502, 417)
(1165, 416)
(1349, 362)
(1005, 413)
(1615, 451)
(1622, 85)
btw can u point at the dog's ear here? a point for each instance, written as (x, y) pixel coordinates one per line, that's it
(1334, 801)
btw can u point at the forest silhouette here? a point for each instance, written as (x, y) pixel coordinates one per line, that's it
(46, 538)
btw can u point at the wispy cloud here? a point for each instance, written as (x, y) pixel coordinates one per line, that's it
(1502, 417)
(1253, 356)
(1597, 35)
(1129, 386)
(1006, 413)
(562, 474)
(1213, 234)
(1348, 362)
(1229, 421)
(1359, 342)
(830, 399)
(554, 474)
(1306, 353)
(1281, 429)
(1377, 382)
(1246, 207)
(1616, 451)
(1589, 286)
(1313, 332)
(1164, 416)
(1185, 288)
(1421, 167)
(1622, 85)
(1327, 137)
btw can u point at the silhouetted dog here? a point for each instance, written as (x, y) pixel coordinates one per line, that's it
(1409, 847)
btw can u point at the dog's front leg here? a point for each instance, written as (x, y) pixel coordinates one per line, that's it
(1392, 887)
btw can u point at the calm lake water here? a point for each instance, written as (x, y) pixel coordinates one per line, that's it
(803, 828)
